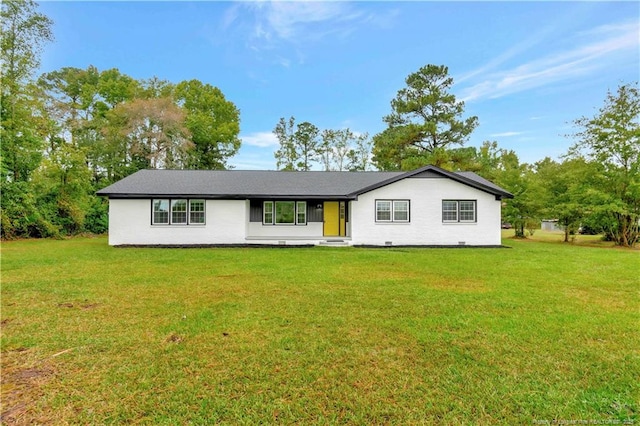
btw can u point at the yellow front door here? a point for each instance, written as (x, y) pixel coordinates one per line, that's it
(334, 219)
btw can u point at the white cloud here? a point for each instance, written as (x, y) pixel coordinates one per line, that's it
(599, 51)
(505, 134)
(528, 43)
(265, 26)
(286, 20)
(230, 16)
(260, 139)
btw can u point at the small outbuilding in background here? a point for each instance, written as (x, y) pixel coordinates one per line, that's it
(550, 225)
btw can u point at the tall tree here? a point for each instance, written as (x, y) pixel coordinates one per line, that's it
(517, 178)
(156, 88)
(115, 88)
(334, 148)
(299, 145)
(63, 189)
(79, 102)
(214, 124)
(287, 155)
(72, 98)
(561, 188)
(307, 144)
(359, 155)
(611, 140)
(344, 150)
(155, 131)
(425, 118)
(24, 31)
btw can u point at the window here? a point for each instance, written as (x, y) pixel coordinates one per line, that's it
(267, 213)
(392, 210)
(160, 212)
(459, 211)
(178, 212)
(401, 211)
(301, 213)
(383, 211)
(196, 212)
(467, 211)
(449, 211)
(284, 213)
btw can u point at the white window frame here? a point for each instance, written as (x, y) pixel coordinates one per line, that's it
(269, 213)
(459, 211)
(198, 212)
(388, 209)
(393, 210)
(154, 211)
(175, 203)
(170, 202)
(265, 212)
(450, 203)
(301, 212)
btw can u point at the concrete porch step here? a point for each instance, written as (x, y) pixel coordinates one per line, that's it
(334, 243)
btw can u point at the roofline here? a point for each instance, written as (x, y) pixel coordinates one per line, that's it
(451, 175)
(115, 196)
(499, 193)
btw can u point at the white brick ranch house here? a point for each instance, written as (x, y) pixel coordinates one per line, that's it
(424, 207)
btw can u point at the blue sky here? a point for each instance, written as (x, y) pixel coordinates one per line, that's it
(526, 69)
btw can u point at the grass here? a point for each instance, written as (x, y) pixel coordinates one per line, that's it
(558, 237)
(99, 335)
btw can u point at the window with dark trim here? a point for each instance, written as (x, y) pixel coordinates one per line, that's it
(284, 213)
(160, 212)
(196, 212)
(392, 211)
(177, 212)
(458, 211)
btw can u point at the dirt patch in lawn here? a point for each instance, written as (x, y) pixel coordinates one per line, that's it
(21, 390)
(81, 305)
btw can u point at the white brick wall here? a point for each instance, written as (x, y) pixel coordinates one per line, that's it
(426, 226)
(130, 223)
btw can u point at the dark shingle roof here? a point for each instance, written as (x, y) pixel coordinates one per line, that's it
(243, 184)
(479, 179)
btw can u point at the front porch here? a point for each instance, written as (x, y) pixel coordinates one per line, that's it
(296, 241)
(317, 222)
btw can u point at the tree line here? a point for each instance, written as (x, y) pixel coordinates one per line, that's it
(70, 132)
(303, 145)
(73, 131)
(595, 186)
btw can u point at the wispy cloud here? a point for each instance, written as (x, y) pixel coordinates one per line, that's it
(260, 139)
(290, 26)
(289, 20)
(534, 39)
(602, 45)
(505, 134)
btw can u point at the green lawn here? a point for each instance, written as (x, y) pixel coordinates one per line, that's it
(558, 237)
(541, 331)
